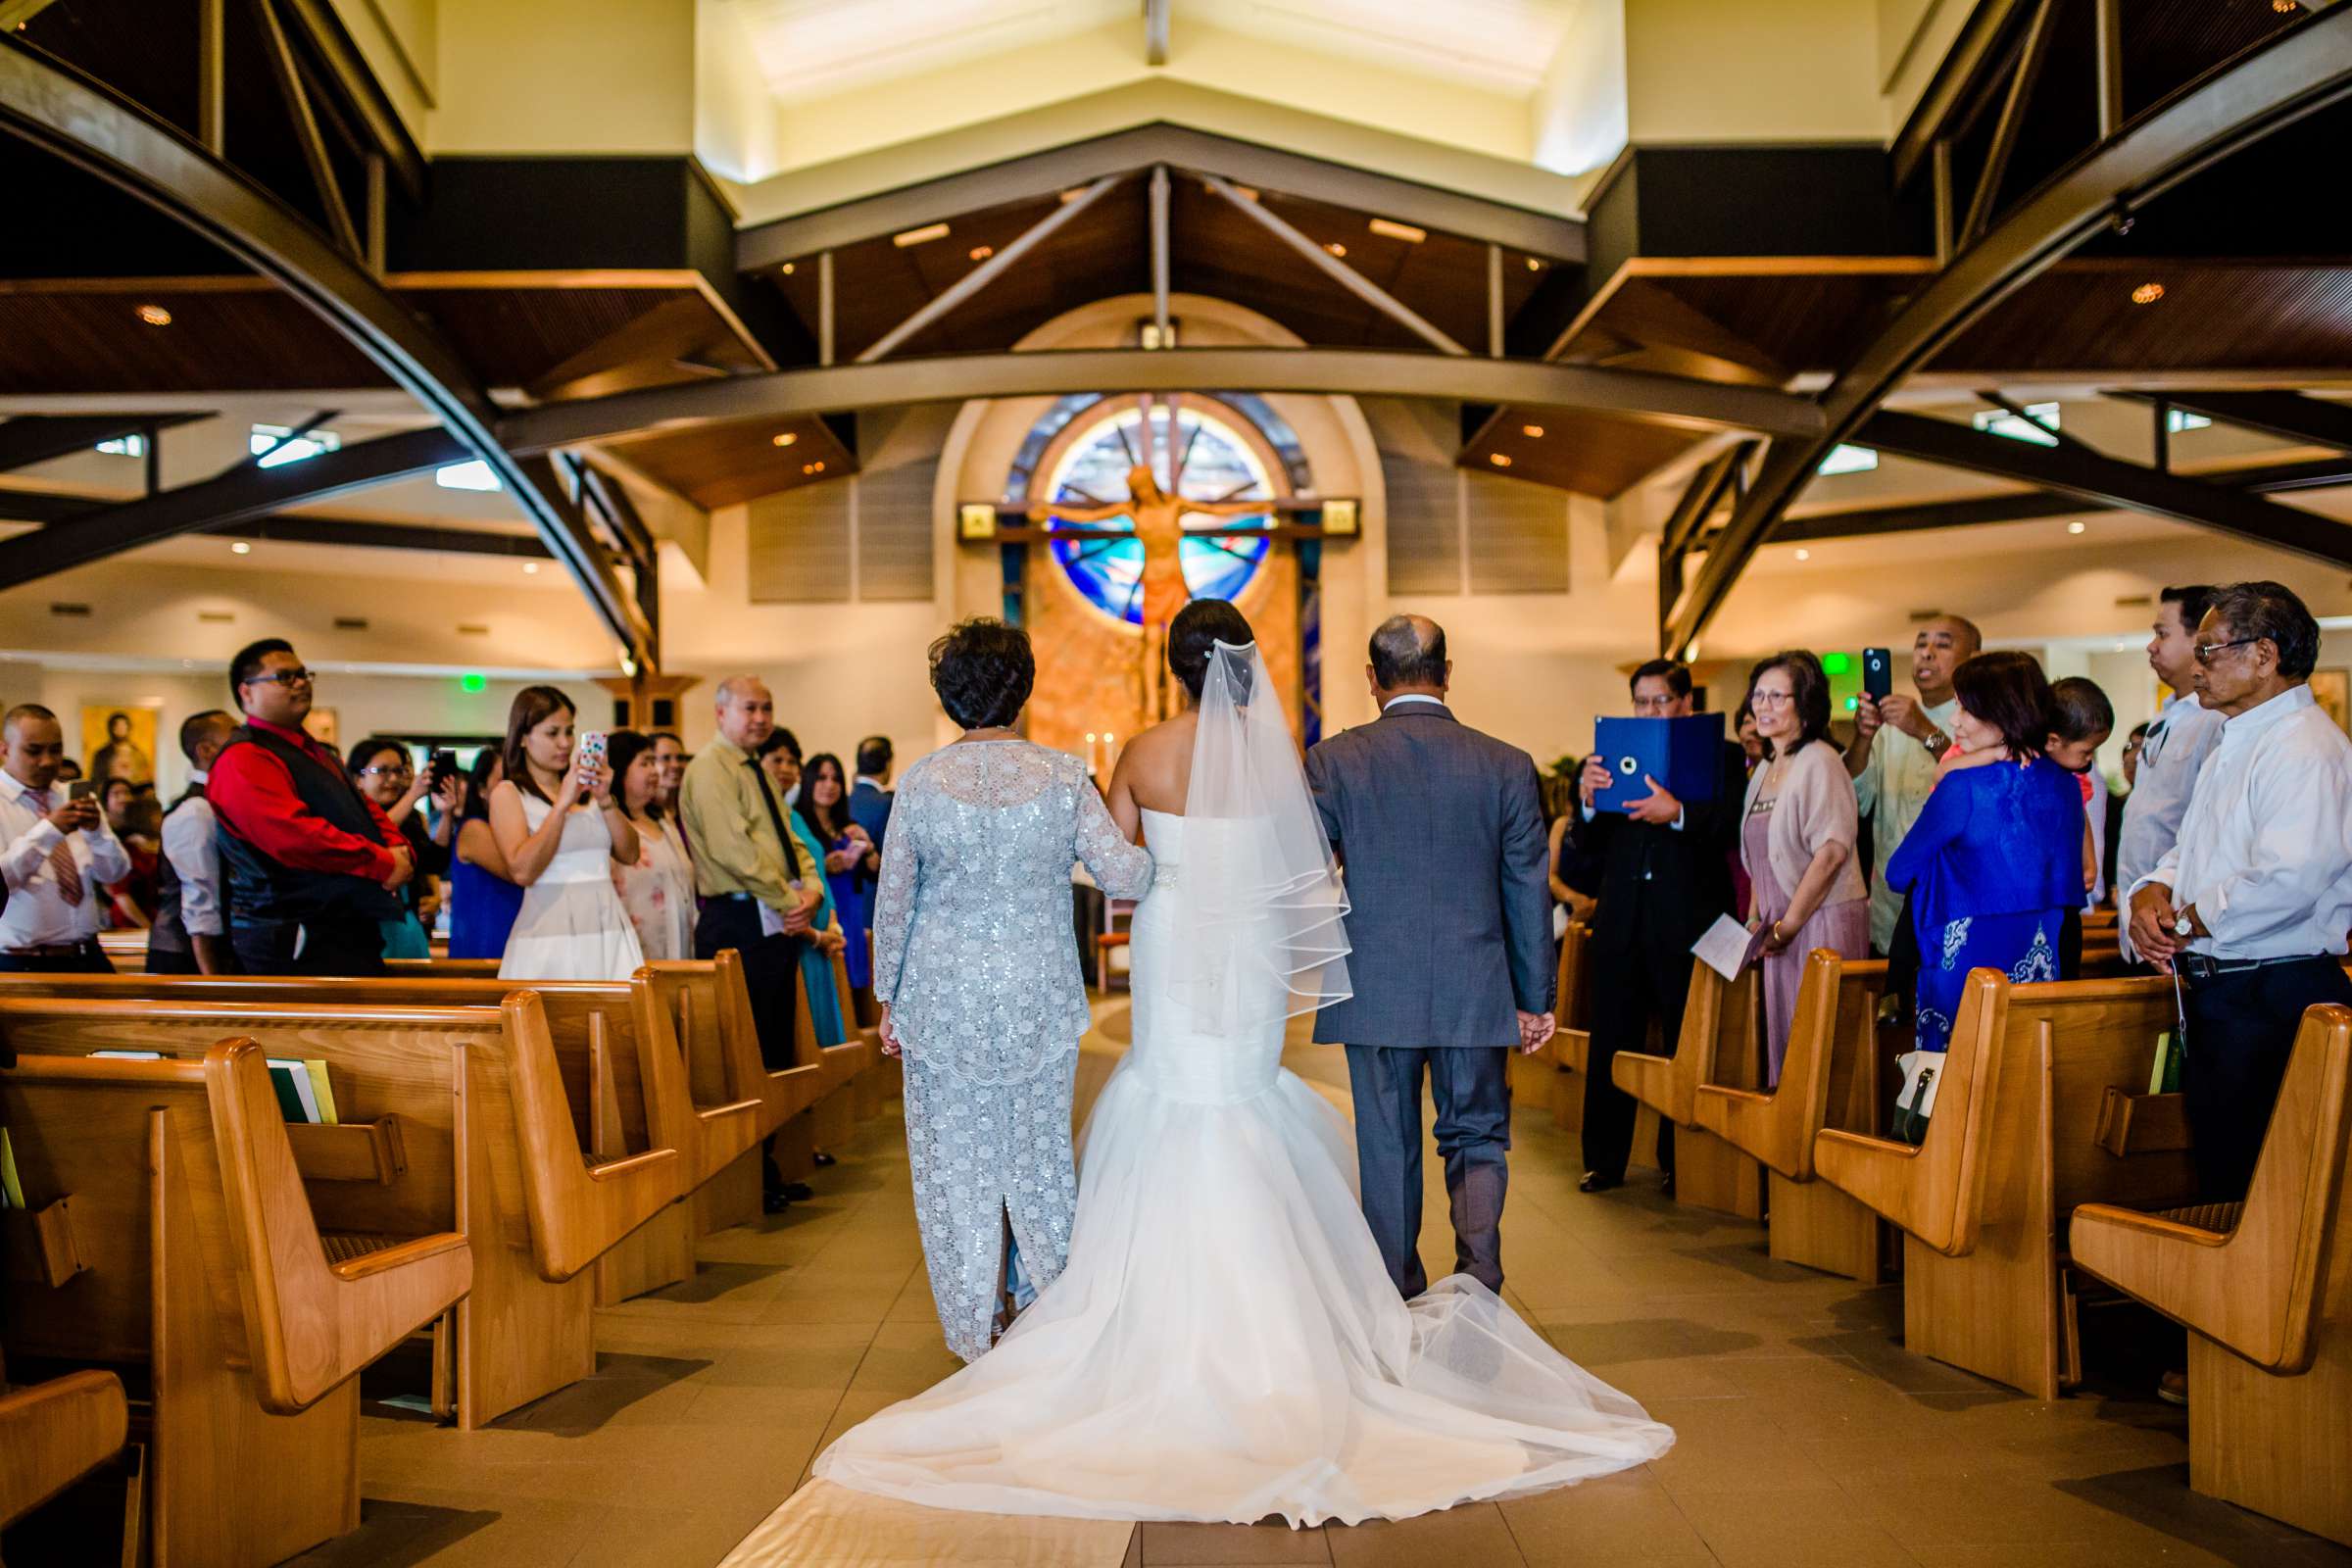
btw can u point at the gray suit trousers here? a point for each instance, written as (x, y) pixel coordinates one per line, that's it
(1472, 1088)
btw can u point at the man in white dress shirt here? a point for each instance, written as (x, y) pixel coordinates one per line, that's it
(2251, 905)
(58, 852)
(190, 934)
(1897, 745)
(2181, 736)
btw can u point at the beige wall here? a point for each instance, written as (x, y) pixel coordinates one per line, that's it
(565, 77)
(1740, 70)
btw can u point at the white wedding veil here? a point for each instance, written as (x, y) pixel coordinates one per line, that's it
(1260, 902)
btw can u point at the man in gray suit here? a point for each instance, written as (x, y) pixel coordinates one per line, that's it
(1442, 833)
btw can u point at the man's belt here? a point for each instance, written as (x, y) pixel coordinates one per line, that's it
(2198, 969)
(57, 950)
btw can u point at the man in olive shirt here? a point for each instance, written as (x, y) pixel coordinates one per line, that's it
(756, 893)
(1897, 744)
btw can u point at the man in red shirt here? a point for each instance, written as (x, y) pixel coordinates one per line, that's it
(310, 863)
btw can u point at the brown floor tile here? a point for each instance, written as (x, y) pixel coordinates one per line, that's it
(1817, 1528)
(1473, 1536)
(1165, 1544)
(1629, 1517)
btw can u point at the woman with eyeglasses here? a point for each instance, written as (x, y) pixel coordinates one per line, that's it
(1796, 840)
(380, 766)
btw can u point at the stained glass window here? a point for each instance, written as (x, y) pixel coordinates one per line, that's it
(1211, 462)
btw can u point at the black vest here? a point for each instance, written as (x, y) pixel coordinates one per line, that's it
(263, 890)
(169, 932)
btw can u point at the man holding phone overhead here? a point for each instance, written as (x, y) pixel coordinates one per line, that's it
(59, 849)
(1897, 742)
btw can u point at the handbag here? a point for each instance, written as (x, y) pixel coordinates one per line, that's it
(1915, 1102)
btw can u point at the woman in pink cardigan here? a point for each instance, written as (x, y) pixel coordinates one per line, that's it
(1798, 839)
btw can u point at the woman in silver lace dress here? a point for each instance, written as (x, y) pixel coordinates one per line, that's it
(979, 980)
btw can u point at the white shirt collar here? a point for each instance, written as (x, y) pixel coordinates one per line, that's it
(867, 778)
(198, 775)
(1412, 697)
(2271, 712)
(13, 787)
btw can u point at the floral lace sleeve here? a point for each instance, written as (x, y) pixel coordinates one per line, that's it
(894, 910)
(1122, 869)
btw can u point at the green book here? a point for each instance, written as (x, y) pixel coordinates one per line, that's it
(292, 1083)
(12, 1191)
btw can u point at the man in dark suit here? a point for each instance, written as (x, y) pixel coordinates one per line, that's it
(871, 795)
(1665, 873)
(1441, 831)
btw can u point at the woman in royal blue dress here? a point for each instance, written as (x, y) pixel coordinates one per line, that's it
(1995, 859)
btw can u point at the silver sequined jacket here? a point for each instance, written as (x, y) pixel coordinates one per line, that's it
(974, 950)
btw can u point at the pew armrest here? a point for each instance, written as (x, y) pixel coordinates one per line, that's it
(578, 1211)
(1749, 1120)
(1648, 1079)
(1572, 1049)
(2143, 1124)
(311, 1325)
(53, 1434)
(1891, 1179)
(2256, 1290)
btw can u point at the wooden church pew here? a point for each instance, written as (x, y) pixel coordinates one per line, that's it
(1721, 1043)
(1829, 1077)
(1564, 1057)
(712, 1006)
(2014, 1146)
(483, 1081)
(2265, 1289)
(53, 1434)
(181, 1237)
(618, 1050)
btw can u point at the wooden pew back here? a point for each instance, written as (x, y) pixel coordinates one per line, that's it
(185, 1240)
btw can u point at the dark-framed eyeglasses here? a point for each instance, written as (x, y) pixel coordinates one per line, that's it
(297, 676)
(388, 771)
(2206, 650)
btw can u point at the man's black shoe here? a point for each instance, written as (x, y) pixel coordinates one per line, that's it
(824, 1160)
(798, 1192)
(1666, 1187)
(774, 1202)
(1595, 1182)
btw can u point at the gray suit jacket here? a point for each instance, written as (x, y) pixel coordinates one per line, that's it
(1441, 832)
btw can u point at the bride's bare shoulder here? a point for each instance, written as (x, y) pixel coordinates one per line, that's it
(1158, 763)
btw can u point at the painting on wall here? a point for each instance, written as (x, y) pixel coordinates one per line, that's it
(118, 741)
(2331, 689)
(323, 728)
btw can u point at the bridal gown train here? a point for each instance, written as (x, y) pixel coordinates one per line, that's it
(1224, 1343)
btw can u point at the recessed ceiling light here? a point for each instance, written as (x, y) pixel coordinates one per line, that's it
(787, 269)
(530, 569)
(1534, 432)
(787, 438)
(154, 314)
(2148, 293)
(919, 236)
(1336, 248)
(1501, 459)
(240, 548)
(1533, 266)
(981, 253)
(2075, 527)
(1804, 554)
(2286, 7)
(1396, 230)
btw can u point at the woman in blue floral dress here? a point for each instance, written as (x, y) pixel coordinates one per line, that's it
(1995, 859)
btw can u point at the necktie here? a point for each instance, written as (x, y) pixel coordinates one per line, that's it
(60, 861)
(775, 817)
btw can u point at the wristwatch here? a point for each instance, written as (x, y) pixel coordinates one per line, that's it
(1937, 743)
(2182, 925)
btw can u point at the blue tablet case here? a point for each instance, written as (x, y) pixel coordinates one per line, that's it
(1683, 754)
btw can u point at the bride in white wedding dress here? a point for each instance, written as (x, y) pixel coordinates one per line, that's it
(1224, 1343)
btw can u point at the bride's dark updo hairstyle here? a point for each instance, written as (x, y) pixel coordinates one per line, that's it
(983, 671)
(1194, 635)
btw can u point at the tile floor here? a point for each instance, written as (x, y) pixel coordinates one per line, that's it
(1807, 1435)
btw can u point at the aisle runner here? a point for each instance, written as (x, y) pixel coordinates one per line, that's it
(825, 1526)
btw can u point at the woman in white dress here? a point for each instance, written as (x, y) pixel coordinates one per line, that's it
(1224, 1343)
(561, 850)
(658, 887)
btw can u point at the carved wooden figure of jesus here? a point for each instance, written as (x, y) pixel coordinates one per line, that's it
(1160, 529)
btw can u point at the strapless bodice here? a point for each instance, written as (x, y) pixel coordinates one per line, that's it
(1174, 1057)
